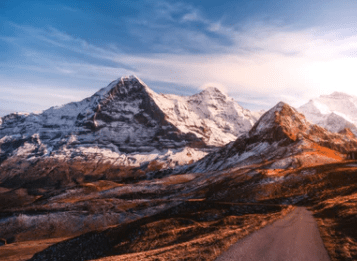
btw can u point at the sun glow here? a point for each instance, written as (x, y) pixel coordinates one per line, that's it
(334, 75)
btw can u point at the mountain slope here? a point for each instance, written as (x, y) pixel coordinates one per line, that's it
(210, 115)
(127, 123)
(282, 138)
(333, 112)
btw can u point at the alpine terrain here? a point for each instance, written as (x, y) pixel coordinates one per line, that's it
(334, 112)
(283, 137)
(127, 124)
(74, 184)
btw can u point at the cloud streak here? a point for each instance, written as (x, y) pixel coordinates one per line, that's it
(189, 50)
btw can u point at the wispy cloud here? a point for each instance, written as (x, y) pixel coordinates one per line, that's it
(22, 96)
(259, 64)
(57, 38)
(176, 27)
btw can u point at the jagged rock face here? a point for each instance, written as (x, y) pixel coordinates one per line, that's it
(347, 132)
(127, 123)
(129, 118)
(281, 122)
(285, 124)
(333, 112)
(280, 133)
(210, 115)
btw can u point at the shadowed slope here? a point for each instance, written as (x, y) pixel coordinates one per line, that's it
(282, 134)
(204, 229)
(126, 123)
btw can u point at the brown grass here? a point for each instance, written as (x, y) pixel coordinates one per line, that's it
(22, 251)
(178, 179)
(190, 231)
(204, 246)
(205, 227)
(337, 220)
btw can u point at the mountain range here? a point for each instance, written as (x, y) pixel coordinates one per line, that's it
(282, 138)
(334, 112)
(126, 123)
(131, 174)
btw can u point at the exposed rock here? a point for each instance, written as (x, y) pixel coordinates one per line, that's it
(128, 124)
(282, 134)
(333, 112)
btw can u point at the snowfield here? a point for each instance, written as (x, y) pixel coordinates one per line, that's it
(333, 112)
(126, 123)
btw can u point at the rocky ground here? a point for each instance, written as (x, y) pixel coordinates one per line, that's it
(194, 216)
(89, 210)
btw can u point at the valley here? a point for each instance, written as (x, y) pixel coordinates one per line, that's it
(81, 190)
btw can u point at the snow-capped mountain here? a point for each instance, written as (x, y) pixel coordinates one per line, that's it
(210, 115)
(283, 138)
(333, 112)
(127, 123)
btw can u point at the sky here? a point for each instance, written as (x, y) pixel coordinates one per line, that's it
(259, 52)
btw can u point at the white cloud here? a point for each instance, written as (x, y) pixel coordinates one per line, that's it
(49, 95)
(17, 97)
(292, 66)
(217, 85)
(61, 39)
(190, 17)
(271, 61)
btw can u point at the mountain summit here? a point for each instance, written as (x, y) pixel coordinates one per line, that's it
(283, 138)
(127, 123)
(280, 121)
(333, 112)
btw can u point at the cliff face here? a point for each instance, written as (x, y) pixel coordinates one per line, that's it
(127, 123)
(281, 135)
(333, 112)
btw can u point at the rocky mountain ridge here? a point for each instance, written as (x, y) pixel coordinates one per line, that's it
(130, 214)
(333, 112)
(284, 137)
(126, 123)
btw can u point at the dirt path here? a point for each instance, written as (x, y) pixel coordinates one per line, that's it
(295, 238)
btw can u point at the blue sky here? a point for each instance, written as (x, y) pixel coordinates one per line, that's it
(259, 52)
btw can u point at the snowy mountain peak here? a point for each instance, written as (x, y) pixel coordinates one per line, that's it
(283, 117)
(123, 86)
(333, 112)
(128, 123)
(212, 91)
(280, 106)
(211, 94)
(338, 95)
(284, 136)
